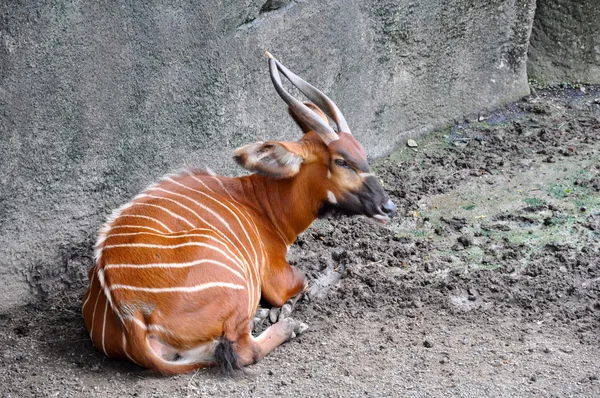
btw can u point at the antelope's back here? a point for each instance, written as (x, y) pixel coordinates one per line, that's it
(177, 246)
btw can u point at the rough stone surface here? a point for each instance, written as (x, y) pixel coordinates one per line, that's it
(97, 102)
(565, 42)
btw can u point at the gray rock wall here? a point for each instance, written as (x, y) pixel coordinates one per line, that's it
(99, 100)
(565, 42)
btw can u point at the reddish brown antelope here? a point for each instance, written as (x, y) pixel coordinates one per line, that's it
(181, 268)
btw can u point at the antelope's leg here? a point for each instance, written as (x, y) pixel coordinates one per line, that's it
(253, 349)
(281, 283)
(276, 313)
(280, 313)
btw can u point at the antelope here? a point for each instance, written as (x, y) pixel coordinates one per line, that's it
(180, 269)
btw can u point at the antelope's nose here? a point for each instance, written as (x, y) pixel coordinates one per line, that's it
(389, 208)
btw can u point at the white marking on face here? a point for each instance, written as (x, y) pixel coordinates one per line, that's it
(365, 175)
(328, 173)
(331, 197)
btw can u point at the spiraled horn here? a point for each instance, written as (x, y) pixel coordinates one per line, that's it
(316, 96)
(304, 113)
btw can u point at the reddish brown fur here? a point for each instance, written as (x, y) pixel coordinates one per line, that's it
(272, 212)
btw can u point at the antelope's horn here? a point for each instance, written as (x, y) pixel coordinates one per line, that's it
(304, 113)
(316, 96)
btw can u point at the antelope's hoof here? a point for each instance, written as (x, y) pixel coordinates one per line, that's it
(259, 318)
(262, 313)
(280, 313)
(274, 314)
(296, 327)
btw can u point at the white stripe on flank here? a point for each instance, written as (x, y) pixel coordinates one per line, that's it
(103, 285)
(89, 292)
(251, 222)
(104, 328)
(183, 235)
(232, 213)
(157, 188)
(94, 313)
(175, 265)
(148, 218)
(248, 265)
(151, 246)
(106, 228)
(184, 289)
(281, 235)
(239, 259)
(212, 227)
(221, 219)
(100, 274)
(136, 226)
(127, 353)
(175, 215)
(210, 172)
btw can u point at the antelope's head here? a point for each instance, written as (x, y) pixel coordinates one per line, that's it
(335, 160)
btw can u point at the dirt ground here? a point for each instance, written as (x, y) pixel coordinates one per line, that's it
(486, 284)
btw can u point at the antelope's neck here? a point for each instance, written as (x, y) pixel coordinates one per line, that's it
(291, 204)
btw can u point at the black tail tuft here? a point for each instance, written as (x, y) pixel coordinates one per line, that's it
(226, 358)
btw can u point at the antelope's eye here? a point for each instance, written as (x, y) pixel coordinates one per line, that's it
(341, 163)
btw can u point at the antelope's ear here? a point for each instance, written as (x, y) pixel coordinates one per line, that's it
(272, 158)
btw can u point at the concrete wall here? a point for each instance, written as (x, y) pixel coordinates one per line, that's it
(98, 99)
(565, 42)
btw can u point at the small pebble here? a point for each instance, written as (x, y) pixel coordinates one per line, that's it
(427, 344)
(411, 143)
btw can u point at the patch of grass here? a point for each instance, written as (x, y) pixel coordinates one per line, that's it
(558, 191)
(561, 191)
(535, 201)
(524, 237)
(414, 233)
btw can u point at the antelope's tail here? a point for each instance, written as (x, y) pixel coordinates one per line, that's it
(226, 358)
